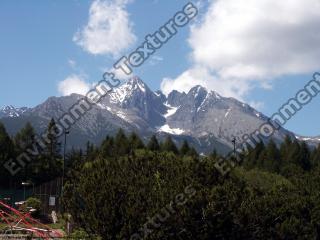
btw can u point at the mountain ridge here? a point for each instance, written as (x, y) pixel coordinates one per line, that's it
(208, 120)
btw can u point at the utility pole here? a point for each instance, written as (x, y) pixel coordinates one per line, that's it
(24, 184)
(66, 132)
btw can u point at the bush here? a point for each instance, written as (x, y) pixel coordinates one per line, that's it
(81, 234)
(33, 203)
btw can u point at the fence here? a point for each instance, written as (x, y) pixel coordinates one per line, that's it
(48, 193)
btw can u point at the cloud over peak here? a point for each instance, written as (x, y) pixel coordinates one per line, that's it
(249, 43)
(109, 30)
(73, 84)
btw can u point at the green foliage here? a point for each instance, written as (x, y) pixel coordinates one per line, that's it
(38, 163)
(184, 150)
(82, 235)
(52, 144)
(153, 144)
(116, 189)
(135, 142)
(48, 164)
(33, 203)
(169, 146)
(25, 137)
(7, 152)
(273, 196)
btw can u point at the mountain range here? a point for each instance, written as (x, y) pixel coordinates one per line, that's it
(205, 119)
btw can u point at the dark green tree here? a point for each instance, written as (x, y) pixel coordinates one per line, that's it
(315, 157)
(193, 152)
(153, 144)
(294, 152)
(273, 162)
(53, 145)
(49, 164)
(6, 153)
(253, 155)
(184, 150)
(214, 154)
(285, 148)
(169, 146)
(135, 142)
(25, 137)
(121, 142)
(304, 156)
(107, 147)
(24, 141)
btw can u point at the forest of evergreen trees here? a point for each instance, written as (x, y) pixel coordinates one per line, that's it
(126, 189)
(43, 164)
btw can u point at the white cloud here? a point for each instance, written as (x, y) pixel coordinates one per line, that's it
(109, 30)
(202, 76)
(243, 44)
(73, 84)
(257, 105)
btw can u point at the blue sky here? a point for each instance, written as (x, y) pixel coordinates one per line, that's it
(260, 57)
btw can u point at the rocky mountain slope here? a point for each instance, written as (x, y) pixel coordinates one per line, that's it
(206, 119)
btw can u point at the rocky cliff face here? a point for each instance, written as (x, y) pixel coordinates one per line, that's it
(206, 119)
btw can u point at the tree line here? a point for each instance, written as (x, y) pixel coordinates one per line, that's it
(47, 162)
(44, 165)
(122, 191)
(127, 186)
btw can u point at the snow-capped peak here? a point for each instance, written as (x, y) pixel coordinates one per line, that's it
(198, 90)
(132, 87)
(11, 111)
(303, 138)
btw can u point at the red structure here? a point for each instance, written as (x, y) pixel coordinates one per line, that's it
(23, 222)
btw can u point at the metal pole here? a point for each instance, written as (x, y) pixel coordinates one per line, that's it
(63, 164)
(64, 158)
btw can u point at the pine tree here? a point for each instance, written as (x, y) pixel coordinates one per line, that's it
(285, 148)
(269, 157)
(135, 142)
(91, 151)
(169, 146)
(107, 147)
(193, 152)
(273, 161)
(315, 158)
(25, 137)
(49, 164)
(121, 143)
(294, 153)
(184, 150)
(153, 144)
(304, 155)
(251, 159)
(24, 140)
(6, 153)
(53, 144)
(214, 154)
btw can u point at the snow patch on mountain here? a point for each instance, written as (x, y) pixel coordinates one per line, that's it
(301, 138)
(104, 107)
(227, 113)
(11, 111)
(166, 128)
(122, 115)
(171, 110)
